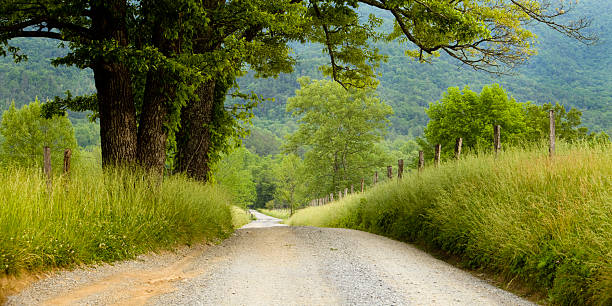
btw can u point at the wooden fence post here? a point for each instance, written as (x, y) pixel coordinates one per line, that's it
(497, 138)
(345, 191)
(339, 195)
(352, 189)
(421, 161)
(362, 185)
(437, 155)
(390, 172)
(400, 168)
(375, 177)
(551, 147)
(47, 165)
(458, 144)
(331, 197)
(67, 156)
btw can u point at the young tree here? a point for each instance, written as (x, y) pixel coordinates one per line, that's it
(265, 180)
(289, 181)
(26, 133)
(233, 173)
(567, 123)
(338, 129)
(471, 116)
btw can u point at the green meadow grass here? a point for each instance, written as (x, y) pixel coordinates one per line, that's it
(276, 213)
(93, 216)
(240, 216)
(520, 215)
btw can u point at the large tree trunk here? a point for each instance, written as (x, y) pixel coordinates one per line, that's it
(114, 88)
(152, 134)
(194, 138)
(159, 93)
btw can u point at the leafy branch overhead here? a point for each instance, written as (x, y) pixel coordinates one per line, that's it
(485, 35)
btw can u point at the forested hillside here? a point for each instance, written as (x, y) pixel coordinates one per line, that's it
(564, 71)
(25, 81)
(36, 77)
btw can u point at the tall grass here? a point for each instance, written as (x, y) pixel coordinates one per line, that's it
(522, 215)
(280, 213)
(94, 216)
(240, 216)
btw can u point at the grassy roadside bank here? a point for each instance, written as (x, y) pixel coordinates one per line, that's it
(102, 217)
(547, 223)
(240, 216)
(276, 213)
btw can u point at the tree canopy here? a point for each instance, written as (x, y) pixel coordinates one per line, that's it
(25, 133)
(338, 130)
(472, 116)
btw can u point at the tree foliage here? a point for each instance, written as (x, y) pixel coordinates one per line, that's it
(338, 131)
(472, 116)
(25, 133)
(233, 173)
(289, 182)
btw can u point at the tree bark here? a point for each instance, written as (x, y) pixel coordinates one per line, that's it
(159, 93)
(113, 84)
(194, 138)
(152, 135)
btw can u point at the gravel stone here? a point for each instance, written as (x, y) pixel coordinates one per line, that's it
(267, 263)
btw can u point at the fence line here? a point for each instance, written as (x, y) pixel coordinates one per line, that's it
(438, 149)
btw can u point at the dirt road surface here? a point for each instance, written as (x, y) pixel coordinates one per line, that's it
(267, 263)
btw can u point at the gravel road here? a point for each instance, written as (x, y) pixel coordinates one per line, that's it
(266, 263)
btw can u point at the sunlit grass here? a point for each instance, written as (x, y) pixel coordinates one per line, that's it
(93, 216)
(240, 216)
(547, 222)
(280, 213)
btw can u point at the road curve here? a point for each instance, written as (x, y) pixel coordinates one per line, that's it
(266, 263)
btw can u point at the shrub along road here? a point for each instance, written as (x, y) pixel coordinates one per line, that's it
(269, 264)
